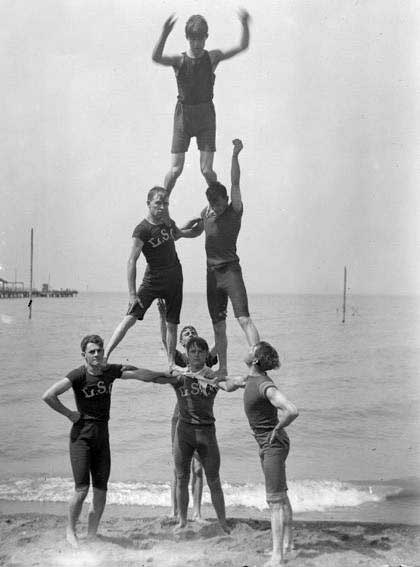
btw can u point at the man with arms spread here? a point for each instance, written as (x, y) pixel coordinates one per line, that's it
(181, 361)
(195, 115)
(155, 236)
(196, 390)
(89, 437)
(221, 222)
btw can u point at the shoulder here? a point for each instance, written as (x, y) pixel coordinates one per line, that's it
(215, 55)
(264, 385)
(141, 229)
(114, 370)
(77, 375)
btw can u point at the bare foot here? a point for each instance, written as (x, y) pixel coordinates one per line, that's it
(275, 561)
(225, 527)
(197, 518)
(71, 537)
(179, 527)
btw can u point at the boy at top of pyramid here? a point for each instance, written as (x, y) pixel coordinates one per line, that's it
(194, 111)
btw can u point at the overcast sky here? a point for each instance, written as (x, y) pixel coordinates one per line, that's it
(326, 101)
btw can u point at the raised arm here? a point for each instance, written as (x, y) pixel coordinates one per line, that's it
(157, 55)
(218, 55)
(287, 412)
(132, 269)
(50, 397)
(235, 176)
(146, 375)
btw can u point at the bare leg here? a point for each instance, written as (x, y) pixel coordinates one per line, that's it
(277, 532)
(197, 488)
(75, 507)
(218, 501)
(177, 165)
(221, 343)
(119, 334)
(250, 330)
(206, 166)
(173, 495)
(288, 521)
(95, 511)
(182, 498)
(171, 331)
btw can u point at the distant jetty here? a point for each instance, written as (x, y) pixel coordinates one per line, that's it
(16, 290)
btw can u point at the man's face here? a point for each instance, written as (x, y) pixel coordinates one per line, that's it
(187, 334)
(196, 357)
(158, 207)
(197, 43)
(93, 355)
(218, 205)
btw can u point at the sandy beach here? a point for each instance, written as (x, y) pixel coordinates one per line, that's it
(145, 537)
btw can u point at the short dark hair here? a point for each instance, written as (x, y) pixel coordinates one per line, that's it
(266, 356)
(154, 191)
(185, 328)
(197, 341)
(95, 339)
(216, 190)
(196, 26)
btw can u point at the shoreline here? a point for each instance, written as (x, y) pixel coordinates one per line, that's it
(34, 535)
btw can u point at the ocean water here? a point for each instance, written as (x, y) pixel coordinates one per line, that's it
(355, 448)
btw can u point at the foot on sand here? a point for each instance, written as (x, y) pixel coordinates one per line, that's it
(275, 561)
(71, 537)
(180, 527)
(225, 527)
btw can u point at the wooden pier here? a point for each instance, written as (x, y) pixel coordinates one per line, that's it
(16, 290)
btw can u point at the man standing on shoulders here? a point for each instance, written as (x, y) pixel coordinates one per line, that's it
(89, 438)
(155, 236)
(221, 222)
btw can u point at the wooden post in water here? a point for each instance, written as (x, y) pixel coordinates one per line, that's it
(344, 294)
(31, 274)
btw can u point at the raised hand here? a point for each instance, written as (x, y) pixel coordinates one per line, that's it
(168, 26)
(237, 146)
(243, 16)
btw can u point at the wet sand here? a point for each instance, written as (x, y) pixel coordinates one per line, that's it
(145, 537)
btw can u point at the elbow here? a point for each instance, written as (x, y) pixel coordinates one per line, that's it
(294, 412)
(46, 397)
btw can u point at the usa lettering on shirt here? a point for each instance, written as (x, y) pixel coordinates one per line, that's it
(98, 389)
(161, 238)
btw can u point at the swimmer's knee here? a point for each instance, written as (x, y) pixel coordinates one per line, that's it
(244, 320)
(81, 491)
(278, 500)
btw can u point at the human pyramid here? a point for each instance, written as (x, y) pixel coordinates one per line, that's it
(194, 439)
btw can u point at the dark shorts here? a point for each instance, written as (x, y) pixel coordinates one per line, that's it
(90, 454)
(174, 423)
(165, 284)
(191, 438)
(223, 283)
(198, 120)
(273, 462)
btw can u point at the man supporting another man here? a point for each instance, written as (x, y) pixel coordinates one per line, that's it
(155, 236)
(221, 222)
